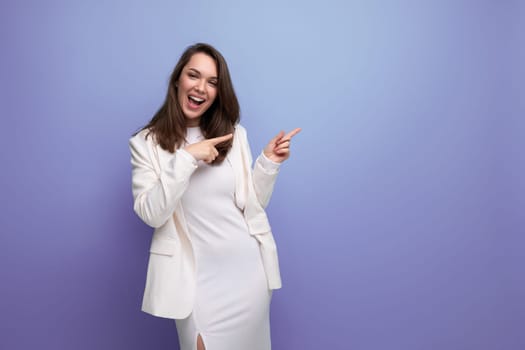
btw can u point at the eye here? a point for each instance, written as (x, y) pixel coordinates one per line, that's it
(213, 82)
(192, 75)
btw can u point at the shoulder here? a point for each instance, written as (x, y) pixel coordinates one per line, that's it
(142, 138)
(142, 143)
(241, 134)
(240, 131)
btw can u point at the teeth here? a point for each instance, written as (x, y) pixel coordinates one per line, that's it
(196, 99)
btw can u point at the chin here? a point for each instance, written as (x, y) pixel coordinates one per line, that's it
(192, 120)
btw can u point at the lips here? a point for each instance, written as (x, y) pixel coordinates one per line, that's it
(194, 101)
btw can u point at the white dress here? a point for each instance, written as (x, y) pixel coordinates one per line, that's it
(232, 303)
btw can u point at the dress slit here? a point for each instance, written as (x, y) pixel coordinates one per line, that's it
(199, 336)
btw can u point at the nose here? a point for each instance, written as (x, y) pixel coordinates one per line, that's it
(201, 84)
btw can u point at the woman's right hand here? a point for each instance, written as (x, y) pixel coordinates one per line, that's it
(205, 150)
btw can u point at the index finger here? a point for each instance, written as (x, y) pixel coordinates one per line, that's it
(291, 134)
(217, 140)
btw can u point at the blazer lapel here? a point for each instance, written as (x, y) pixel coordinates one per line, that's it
(235, 159)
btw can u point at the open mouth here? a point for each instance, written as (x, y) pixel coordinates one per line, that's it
(195, 101)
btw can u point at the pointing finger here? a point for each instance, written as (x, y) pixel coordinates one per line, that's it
(216, 140)
(277, 137)
(292, 134)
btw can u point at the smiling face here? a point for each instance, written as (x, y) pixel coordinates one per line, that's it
(197, 87)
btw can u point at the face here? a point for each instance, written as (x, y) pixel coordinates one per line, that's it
(197, 87)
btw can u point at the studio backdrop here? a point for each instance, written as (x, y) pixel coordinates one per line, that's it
(398, 217)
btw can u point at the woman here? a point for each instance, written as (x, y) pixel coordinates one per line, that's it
(213, 262)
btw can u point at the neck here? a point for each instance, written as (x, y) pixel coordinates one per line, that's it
(190, 123)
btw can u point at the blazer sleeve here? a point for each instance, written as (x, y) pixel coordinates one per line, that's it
(159, 179)
(264, 174)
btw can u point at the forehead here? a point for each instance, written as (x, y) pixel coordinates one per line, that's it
(203, 63)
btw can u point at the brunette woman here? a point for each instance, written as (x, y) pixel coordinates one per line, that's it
(213, 261)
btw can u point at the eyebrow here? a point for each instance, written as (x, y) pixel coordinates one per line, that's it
(197, 71)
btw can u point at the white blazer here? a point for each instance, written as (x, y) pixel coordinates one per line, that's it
(159, 179)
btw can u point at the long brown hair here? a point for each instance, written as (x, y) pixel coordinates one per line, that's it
(169, 124)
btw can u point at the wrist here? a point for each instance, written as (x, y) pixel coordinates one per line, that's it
(268, 162)
(187, 154)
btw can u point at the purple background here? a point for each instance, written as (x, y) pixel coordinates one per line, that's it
(399, 217)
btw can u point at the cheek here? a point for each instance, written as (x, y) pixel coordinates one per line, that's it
(180, 96)
(182, 87)
(181, 84)
(213, 95)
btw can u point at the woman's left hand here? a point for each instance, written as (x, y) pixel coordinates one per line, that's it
(278, 149)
